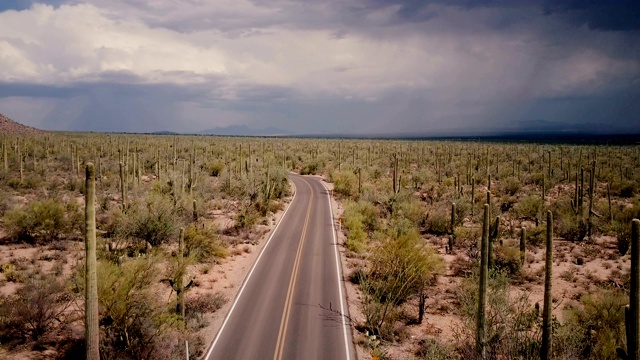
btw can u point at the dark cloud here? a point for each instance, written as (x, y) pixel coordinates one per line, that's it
(605, 15)
(566, 64)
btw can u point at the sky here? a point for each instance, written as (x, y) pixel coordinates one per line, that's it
(322, 67)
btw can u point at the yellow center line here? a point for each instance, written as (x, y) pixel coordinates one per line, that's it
(287, 305)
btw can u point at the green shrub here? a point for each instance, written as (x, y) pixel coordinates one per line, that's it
(567, 224)
(214, 168)
(203, 244)
(345, 183)
(596, 326)
(356, 236)
(529, 207)
(438, 221)
(507, 259)
(511, 186)
(311, 168)
(466, 236)
(623, 235)
(399, 268)
(134, 317)
(155, 223)
(624, 189)
(9, 271)
(40, 221)
(431, 349)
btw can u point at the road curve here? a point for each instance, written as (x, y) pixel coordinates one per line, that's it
(290, 304)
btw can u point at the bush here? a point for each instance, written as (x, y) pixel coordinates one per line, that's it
(466, 236)
(203, 244)
(356, 237)
(399, 268)
(511, 185)
(567, 224)
(624, 189)
(35, 310)
(529, 207)
(432, 350)
(133, 319)
(214, 168)
(40, 221)
(623, 234)
(203, 304)
(596, 327)
(369, 213)
(9, 271)
(345, 183)
(512, 326)
(311, 168)
(507, 259)
(438, 221)
(154, 223)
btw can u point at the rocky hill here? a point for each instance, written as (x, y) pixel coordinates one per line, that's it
(10, 127)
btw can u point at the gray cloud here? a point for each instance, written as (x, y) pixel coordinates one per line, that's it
(321, 67)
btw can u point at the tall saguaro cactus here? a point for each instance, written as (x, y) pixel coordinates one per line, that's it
(545, 351)
(523, 244)
(482, 290)
(632, 311)
(91, 278)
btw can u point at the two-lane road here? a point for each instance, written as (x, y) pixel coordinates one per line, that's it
(282, 309)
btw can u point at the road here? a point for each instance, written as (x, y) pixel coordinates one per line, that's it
(289, 305)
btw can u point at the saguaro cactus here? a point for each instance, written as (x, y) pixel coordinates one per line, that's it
(523, 244)
(123, 187)
(91, 278)
(632, 312)
(482, 290)
(545, 351)
(177, 283)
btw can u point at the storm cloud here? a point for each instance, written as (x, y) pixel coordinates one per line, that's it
(358, 67)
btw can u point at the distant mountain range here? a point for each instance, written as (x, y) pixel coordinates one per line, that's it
(243, 130)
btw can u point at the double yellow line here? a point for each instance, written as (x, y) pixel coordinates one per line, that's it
(287, 304)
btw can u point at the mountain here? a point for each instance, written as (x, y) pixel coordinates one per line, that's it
(10, 127)
(243, 130)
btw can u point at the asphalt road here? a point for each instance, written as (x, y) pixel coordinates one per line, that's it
(290, 304)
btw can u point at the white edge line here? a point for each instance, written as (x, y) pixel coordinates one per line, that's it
(344, 324)
(244, 284)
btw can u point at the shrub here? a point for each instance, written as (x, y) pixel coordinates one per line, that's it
(624, 189)
(511, 185)
(623, 234)
(155, 222)
(196, 305)
(356, 237)
(133, 319)
(512, 327)
(203, 244)
(214, 168)
(529, 207)
(432, 349)
(438, 221)
(345, 183)
(369, 214)
(596, 327)
(36, 309)
(311, 168)
(507, 259)
(567, 224)
(467, 236)
(9, 271)
(399, 268)
(40, 221)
